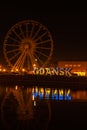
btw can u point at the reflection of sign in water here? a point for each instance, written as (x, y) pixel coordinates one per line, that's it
(53, 71)
(54, 94)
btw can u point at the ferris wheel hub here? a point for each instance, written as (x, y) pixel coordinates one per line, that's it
(26, 46)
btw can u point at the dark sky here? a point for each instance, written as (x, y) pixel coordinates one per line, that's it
(68, 28)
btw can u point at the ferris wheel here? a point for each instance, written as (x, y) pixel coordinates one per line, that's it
(27, 44)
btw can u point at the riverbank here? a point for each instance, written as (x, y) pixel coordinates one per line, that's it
(74, 82)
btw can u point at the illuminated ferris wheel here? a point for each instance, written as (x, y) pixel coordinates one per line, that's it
(28, 43)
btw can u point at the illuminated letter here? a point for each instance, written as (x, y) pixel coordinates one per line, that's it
(42, 71)
(60, 94)
(35, 92)
(55, 94)
(67, 95)
(35, 71)
(55, 71)
(47, 93)
(48, 71)
(67, 72)
(61, 71)
(41, 93)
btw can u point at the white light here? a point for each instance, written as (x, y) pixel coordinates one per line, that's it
(34, 103)
(35, 59)
(16, 87)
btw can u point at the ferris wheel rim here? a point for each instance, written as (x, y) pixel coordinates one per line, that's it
(28, 22)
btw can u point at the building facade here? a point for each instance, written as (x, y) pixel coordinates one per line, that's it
(77, 67)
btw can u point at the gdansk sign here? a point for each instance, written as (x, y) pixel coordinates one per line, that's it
(52, 71)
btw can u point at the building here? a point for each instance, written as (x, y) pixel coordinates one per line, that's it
(77, 67)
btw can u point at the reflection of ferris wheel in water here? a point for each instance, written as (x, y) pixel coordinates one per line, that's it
(26, 44)
(20, 111)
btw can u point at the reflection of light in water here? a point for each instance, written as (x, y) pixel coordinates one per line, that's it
(32, 106)
(49, 93)
(30, 114)
(34, 103)
(16, 87)
(79, 95)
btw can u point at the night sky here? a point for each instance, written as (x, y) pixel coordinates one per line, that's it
(68, 28)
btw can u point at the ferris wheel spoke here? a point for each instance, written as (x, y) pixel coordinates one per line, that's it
(17, 35)
(21, 31)
(11, 44)
(36, 34)
(32, 30)
(39, 59)
(28, 61)
(32, 59)
(26, 30)
(40, 36)
(46, 48)
(13, 50)
(13, 57)
(46, 41)
(16, 65)
(41, 53)
(14, 39)
(21, 61)
(34, 62)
